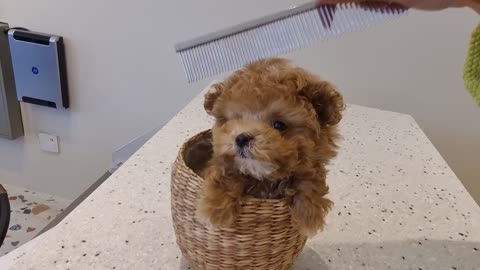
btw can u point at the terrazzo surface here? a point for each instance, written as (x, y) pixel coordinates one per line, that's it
(31, 211)
(398, 206)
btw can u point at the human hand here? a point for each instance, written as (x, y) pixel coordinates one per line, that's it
(418, 4)
(430, 5)
(329, 7)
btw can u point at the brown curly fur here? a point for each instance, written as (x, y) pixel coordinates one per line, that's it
(289, 163)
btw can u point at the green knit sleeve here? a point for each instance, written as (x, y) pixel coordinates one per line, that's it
(471, 74)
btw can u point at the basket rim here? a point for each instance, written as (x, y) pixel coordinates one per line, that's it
(180, 158)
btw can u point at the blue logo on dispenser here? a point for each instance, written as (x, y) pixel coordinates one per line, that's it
(35, 70)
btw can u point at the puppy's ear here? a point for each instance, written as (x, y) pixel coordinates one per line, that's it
(326, 100)
(214, 91)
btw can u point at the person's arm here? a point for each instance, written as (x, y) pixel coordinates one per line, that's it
(471, 71)
(473, 4)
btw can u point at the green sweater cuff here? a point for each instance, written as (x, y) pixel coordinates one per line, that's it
(471, 73)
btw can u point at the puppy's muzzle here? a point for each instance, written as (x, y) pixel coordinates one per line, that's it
(242, 142)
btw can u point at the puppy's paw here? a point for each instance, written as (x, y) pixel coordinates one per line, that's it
(309, 232)
(216, 213)
(309, 216)
(202, 217)
(308, 225)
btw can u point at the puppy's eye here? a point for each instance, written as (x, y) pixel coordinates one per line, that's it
(279, 125)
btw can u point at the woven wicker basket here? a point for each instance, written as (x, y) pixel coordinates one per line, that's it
(262, 238)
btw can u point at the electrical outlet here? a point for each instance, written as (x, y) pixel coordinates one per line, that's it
(48, 142)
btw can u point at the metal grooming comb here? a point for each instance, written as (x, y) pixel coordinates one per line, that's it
(277, 34)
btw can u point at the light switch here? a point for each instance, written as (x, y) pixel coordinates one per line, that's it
(48, 142)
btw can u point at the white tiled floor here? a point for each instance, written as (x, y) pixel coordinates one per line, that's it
(31, 211)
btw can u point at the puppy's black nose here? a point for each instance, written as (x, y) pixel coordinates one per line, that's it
(242, 140)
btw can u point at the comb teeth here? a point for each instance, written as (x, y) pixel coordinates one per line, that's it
(203, 58)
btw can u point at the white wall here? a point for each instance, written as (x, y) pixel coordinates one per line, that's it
(125, 79)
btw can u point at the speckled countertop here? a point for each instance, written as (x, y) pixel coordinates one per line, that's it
(398, 206)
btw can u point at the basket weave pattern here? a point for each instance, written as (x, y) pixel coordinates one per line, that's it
(261, 238)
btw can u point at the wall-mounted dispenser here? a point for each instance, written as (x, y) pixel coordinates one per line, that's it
(11, 126)
(39, 68)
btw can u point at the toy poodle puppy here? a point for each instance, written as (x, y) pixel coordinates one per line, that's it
(274, 134)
